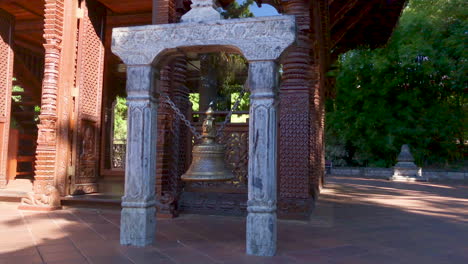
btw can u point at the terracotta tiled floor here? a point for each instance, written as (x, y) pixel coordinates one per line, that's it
(356, 221)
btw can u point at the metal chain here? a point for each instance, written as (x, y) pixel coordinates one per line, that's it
(168, 101)
(228, 117)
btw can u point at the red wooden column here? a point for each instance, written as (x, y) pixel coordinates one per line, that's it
(53, 144)
(296, 189)
(172, 134)
(6, 83)
(322, 51)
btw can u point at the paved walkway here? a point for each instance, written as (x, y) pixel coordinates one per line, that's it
(356, 221)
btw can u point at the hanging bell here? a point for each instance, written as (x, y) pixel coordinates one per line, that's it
(208, 156)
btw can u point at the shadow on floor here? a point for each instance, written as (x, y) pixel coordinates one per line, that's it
(356, 221)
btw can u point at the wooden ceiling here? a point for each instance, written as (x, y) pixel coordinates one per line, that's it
(352, 22)
(128, 6)
(29, 15)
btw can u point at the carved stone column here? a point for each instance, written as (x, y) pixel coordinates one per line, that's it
(138, 223)
(261, 206)
(6, 82)
(262, 41)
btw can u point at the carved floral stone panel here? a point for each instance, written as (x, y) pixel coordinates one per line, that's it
(256, 38)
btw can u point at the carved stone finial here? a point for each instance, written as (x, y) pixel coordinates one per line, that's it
(405, 154)
(405, 169)
(202, 10)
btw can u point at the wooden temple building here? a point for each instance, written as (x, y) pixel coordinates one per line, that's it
(59, 81)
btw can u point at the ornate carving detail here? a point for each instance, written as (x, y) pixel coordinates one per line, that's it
(294, 155)
(236, 140)
(213, 203)
(46, 152)
(295, 208)
(202, 10)
(297, 118)
(90, 68)
(50, 198)
(139, 182)
(141, 45)
(6, 69)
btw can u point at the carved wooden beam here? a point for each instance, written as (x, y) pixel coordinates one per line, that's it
(339, 35)
(129, 19)
(27, 9)
(339, 15)
(29, 25)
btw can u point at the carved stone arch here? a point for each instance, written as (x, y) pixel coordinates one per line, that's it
(262, 41)
(274, 3)
(167, 56)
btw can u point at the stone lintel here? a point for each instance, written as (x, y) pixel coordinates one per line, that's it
(262, 38)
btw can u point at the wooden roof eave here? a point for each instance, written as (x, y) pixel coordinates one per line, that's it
(373, 26)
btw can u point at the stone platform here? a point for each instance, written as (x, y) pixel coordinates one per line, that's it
(356, 221)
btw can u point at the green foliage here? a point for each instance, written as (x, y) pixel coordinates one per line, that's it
(230, 69)
(195, 100)
(411, 91)
(120, 120)
(236, 10)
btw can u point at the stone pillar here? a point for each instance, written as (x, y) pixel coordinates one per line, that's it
(6, 82)
(261, 206)
(137, 226)
(405, 169)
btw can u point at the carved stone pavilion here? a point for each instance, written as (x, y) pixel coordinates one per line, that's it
(72, 58)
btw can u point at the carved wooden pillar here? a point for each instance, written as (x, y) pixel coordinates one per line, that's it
(296, 119)
(262, 185)
(137, 226)
(47, 135)
(171, 136)
(6, 83)
(165, 173)
(178, 142)
(321, 40)
(53, 145)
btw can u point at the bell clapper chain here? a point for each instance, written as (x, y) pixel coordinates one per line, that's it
(220, 131)
(182, 117)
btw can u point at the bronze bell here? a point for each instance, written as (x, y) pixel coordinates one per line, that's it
(208, 156)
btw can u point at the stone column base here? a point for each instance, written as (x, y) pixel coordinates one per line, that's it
(137, 226)
(261, 234)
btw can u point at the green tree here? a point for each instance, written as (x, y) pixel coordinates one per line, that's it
(236, 10)
(411, 91)
(120, 120)
(227, 72)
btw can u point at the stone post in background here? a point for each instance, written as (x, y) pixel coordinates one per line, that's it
(405, 169)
